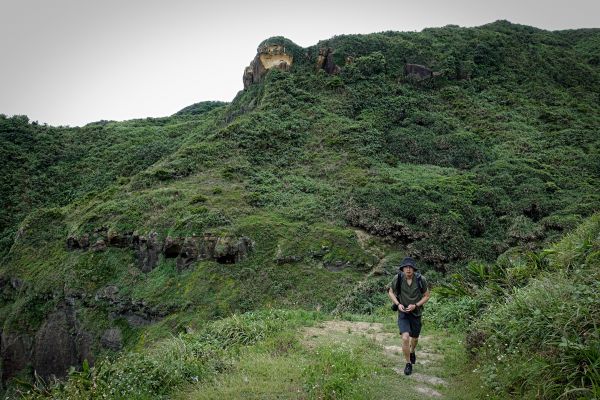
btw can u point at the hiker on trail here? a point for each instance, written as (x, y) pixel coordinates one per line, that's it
(408, 291)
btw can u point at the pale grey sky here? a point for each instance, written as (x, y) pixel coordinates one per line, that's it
(70, 62)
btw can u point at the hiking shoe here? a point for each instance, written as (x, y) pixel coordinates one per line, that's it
(408, 369)
(413, 358)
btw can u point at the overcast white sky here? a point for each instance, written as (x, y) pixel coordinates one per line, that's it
(70, 62)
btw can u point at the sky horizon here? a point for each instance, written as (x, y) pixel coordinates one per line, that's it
(72, 62)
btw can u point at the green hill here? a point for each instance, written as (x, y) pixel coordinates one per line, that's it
(453, 145)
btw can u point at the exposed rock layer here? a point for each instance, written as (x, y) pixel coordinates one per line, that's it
(148, 248)
(267, 57)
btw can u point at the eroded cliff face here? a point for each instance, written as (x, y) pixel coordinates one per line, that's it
(267, 57)
(60, 342)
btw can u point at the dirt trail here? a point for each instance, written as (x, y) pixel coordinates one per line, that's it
(427, 356)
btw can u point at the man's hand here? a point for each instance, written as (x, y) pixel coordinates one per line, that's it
(411, 307)
(401, 308)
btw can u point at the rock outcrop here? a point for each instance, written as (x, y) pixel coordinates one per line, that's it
(325, 61)
(58, 344)
(112, 339)
(16, 351)
(268, 56)
(417, 72)
(136, 312)
(224, 250)
(148, 248)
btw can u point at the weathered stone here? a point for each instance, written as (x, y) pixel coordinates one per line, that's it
(370, 220)
(287, 259)
(15, 352)
(84, 241)
(58, 345)
(75, 243)
(228, 250)
(119, 240)
(268, 56)
(244, 247)
(84, 342)
(112, 339)
(417, 72)
(336, 266)
(100, 245)
(147, 250)
(190, 252)
(109, 293)
(248, 77)
(325, 61)
(137, 321)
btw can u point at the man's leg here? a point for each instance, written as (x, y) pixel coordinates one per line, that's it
(406, 346)
(404, 326)
(415, 330)
(413, 343)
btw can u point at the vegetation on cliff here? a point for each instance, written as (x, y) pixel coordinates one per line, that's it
(333, 178)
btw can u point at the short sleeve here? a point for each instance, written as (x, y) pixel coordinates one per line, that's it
(392, 284)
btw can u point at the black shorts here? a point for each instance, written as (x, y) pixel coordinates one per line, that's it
(409, 323)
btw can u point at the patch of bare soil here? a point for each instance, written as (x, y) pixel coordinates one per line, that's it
(338, 328)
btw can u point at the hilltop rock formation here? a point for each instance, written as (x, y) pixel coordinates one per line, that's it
(268, 56)
(148, 248)
(325, 61)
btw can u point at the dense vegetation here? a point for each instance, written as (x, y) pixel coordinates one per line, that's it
(473, 172)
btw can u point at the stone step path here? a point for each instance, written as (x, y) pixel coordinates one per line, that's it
(427, 385)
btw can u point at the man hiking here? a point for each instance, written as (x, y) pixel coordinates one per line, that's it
(408, 291)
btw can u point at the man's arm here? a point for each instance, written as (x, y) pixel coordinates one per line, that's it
(395, 300)
(424, 299)
(393, 296)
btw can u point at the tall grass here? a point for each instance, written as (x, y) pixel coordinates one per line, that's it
(543, 339)
(159, 370)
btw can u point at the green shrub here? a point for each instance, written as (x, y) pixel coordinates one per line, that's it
(455, 314)
(548, 329)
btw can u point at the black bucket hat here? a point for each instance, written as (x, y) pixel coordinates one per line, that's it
(408, 262)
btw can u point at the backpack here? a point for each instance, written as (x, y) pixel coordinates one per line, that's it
(419, 278)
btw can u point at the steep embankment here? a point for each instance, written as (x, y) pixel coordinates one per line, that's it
(449, 144)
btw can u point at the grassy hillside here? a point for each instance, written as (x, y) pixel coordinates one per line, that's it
(309, 186)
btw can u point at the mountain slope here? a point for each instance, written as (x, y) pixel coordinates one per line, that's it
(146, 227)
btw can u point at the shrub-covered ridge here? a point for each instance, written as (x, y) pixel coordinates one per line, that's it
(493, 157)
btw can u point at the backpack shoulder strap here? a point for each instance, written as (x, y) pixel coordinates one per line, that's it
(399, 282)
(420, 283)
